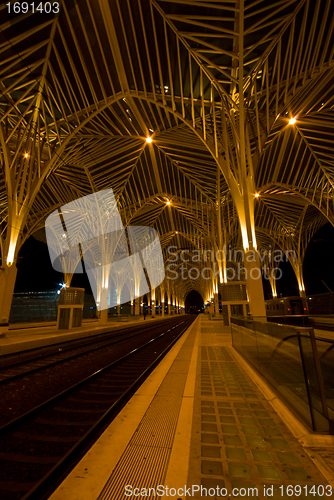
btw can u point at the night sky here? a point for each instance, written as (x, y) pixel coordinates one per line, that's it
(35, 272)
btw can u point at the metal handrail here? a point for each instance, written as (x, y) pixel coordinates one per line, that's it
(300, 333)
(316, 338)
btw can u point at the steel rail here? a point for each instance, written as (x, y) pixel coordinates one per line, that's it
(59, 361)
(58, 471)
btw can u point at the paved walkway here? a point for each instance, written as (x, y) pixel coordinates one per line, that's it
(244, 443)
(201, 421)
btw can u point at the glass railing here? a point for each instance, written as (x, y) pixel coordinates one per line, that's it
(296, 364)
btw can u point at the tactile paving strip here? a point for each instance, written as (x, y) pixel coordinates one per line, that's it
(243, 443)
(144, 461)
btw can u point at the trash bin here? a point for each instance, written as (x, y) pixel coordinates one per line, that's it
(70, 308)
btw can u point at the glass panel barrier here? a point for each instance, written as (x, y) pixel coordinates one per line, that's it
(325, 348)
(313, 376)
(295, 363)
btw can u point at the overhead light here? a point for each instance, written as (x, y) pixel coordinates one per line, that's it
(292, 121)
(257, 195)
(26, 155)
(149, 139)
(168, 202)
(176, 232)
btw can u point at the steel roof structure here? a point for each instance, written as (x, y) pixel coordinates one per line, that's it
(213, 83)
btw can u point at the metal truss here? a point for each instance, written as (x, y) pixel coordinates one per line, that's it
(213, 83)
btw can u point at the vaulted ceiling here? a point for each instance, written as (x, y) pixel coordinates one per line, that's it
(81, 90)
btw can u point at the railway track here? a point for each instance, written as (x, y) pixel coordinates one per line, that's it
(10, 371)
(41, 446)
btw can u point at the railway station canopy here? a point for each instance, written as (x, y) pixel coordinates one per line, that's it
(211, 121)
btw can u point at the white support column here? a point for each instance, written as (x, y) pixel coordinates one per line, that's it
(153, 303)
(148, 295)
(272, 281)
(298, 269)
(104, 300)
(162, 300)
(7, 284)
(137, 306)
(216, 304)
(254, 285)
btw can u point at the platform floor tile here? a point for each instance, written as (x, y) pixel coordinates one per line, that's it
(243, 443)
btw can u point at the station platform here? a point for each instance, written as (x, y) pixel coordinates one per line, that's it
(23, 337)
(204, 425)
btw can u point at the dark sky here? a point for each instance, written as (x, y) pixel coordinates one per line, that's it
(317, 268)
(35, 271)
(318, 263)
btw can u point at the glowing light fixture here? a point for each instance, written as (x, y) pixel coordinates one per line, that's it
(168, 202)
(149, 139)
(26, 155)
(257, 195)
(292, 121)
